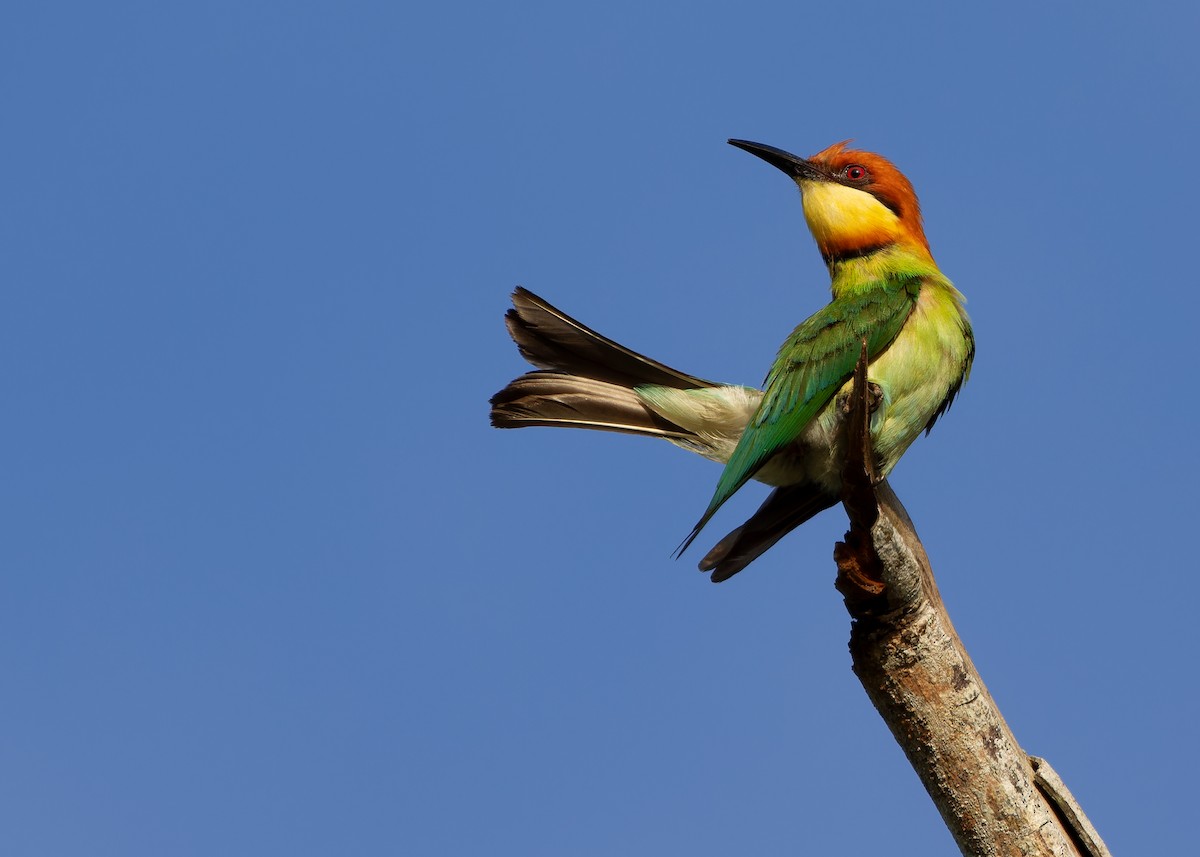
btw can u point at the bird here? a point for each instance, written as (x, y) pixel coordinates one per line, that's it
(887, 293)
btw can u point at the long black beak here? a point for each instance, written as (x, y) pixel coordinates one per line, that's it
(797, 168)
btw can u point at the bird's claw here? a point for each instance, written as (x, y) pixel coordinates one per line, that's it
(874, 399)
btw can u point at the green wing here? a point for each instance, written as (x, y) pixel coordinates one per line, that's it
(813, 363)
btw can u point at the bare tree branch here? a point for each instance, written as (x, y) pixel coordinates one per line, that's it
(994, 799)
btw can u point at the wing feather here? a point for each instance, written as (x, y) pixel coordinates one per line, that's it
(812, 364)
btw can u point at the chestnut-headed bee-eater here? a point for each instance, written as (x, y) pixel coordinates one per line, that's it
(887, 289)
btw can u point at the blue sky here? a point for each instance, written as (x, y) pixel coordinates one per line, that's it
(271, 585)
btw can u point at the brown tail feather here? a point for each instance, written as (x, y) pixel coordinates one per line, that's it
(550, 339)
(557, 399)
(586, 381)
(783, 510)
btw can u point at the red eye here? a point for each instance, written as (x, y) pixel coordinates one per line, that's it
(855, 172)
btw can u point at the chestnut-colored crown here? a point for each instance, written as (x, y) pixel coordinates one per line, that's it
(883, 181)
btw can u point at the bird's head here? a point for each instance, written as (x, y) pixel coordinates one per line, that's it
(855, 202)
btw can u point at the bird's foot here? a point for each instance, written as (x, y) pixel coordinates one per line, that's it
(874, 399)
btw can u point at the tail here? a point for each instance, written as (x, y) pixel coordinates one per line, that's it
(569, 401)
(586, 379)
(784, 509)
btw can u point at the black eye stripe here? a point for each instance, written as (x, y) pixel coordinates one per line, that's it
(890, 206)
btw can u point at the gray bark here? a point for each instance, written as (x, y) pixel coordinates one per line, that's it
(994, 799)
